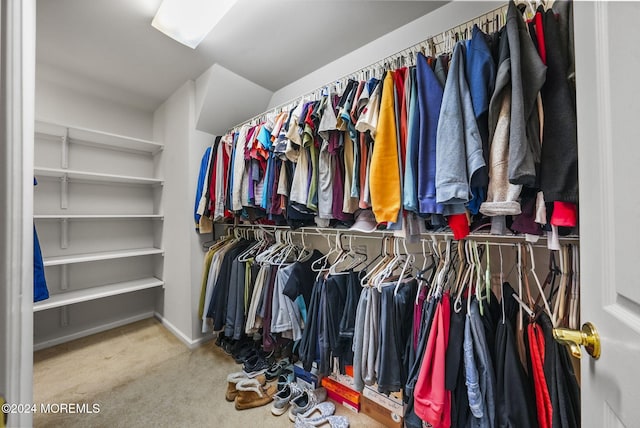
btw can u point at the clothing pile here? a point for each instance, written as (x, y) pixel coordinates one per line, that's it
(484, 134)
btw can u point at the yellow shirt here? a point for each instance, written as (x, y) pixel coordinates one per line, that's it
(384, 177)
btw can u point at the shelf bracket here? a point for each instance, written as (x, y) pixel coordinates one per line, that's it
(64, 192)
(64, 233)
(64, 159)
(64, 316)
(64, 277)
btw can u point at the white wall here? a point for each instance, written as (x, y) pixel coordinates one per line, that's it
(174, 124)
(442, 19)
(225, 98)
(58, 103)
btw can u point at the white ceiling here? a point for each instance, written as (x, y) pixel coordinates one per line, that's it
(111, 44)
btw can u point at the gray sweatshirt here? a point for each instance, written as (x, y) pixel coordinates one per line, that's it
(458, 143)
(528, 74)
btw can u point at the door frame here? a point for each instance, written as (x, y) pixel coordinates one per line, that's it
(17, 113)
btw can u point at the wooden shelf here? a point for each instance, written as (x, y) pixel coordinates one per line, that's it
(93, 293)
(96, 216)
(94, 176)
(106, 255)
(97, 138)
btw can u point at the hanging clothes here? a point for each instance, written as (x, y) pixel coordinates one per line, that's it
(514, 398)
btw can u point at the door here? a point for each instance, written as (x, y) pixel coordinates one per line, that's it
(608, 107)
(17, 84)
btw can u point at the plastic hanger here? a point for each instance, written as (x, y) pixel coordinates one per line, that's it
(367, 279)
(408, 265)
(462, 266)
(518, 297)
(540, 290)
(468, 274)
(504, 317)
(320, 264)
(305, 252)
(574, 310)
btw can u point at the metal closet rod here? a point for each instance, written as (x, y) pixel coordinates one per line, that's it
(495, 17)
(494, 240)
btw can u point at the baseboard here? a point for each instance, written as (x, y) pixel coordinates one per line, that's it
(191, 343)
(88, 332)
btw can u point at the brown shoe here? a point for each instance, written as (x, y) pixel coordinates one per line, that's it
(251, 394)
(233, 379)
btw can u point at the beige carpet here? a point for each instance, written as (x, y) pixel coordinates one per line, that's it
(142, 376)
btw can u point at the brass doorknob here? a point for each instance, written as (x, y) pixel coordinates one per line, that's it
(587, 337)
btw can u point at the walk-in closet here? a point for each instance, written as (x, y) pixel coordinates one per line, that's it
(319, 213)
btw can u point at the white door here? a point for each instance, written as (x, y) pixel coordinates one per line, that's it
(17, 85)
(608, 96)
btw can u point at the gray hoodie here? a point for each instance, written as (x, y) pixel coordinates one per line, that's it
(528, 74)
(458, 143)
(502, 196)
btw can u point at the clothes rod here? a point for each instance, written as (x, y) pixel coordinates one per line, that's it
(434, 45)
(506, 240)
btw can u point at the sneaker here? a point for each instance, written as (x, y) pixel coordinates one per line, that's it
(276, 369)
(333, 421)
(283, 398)
(251, 394)
(286, 377)
(255, 365)
(306, 401)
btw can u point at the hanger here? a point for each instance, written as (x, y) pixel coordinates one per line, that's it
(466, 277)
(247, 254)
(518, 297)
(366, 280)
(320, 265)
(540, 290)
(574, 310)
(421, 280)
(354, 259)
(504, 317)
(487, 273)
(408, 265)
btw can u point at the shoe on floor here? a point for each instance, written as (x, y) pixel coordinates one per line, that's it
(233, 379)
(306, 401)
(322, 421)
(286, 377)
(276, 369)
(320, 410)
(255, 365)
(251, 394)
(283, 398)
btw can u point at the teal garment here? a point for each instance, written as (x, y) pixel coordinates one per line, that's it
(410, 190)
(303, 308)
(264, 137)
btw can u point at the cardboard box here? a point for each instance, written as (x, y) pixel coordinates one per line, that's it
(380, 413)
(392, 402)
(354, 407)
(304, 378)
(349, 394)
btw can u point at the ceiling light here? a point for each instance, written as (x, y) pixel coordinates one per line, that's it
(189, 21)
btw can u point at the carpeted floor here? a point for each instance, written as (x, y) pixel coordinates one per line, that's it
(143, 376)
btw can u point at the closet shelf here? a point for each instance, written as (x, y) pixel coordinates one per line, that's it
(93, 293)
(94, 176)
(97, 138)
(106, 255)
(96, 216)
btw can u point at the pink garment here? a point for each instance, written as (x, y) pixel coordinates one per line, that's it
(432, 402)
